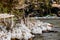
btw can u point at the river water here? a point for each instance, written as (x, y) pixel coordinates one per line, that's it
(50, 35)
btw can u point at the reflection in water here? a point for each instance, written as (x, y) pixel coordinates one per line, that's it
(50, 36)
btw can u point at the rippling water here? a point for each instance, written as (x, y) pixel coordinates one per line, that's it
(52, 35)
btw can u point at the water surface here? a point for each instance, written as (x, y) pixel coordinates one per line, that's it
(52, 35)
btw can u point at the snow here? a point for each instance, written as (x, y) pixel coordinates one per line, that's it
(6, 15)
(21, 31)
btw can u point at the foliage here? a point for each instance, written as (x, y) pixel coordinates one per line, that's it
(7, 5)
